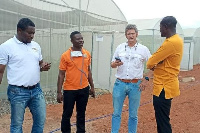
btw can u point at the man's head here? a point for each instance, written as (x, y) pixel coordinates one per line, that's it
(131, 33)
(25, 30)
(168, 26)
(77, 39)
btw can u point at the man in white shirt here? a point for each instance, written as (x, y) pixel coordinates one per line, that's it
(129, 59)
(23, 59)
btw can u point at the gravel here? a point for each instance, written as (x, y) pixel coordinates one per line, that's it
(50, 97)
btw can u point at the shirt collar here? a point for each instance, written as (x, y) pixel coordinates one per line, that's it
(135, 46)
(82, 50)
(18, 41)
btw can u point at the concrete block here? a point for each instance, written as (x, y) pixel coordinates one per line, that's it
(188, 79)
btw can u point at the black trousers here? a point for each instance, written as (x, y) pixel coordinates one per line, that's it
(162, 108)
(70, 97)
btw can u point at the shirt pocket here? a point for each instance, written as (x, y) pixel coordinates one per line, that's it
(137, 60)
(122, 56)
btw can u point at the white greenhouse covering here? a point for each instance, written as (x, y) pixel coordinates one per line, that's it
(188, 50)
(187, 59)
(149, 32)
(196, 39)
(189, 32)
(192, 35)
(101, 23)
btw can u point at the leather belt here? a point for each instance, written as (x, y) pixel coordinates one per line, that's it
(28, 87)
(129, 80)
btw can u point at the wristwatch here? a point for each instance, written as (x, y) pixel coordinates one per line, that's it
(147, 78)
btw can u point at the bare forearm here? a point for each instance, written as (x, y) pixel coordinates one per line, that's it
(60, 81)
(2, 69)
(1, 76)
(90, 80)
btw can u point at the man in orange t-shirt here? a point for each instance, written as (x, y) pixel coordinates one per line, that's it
(74, 77)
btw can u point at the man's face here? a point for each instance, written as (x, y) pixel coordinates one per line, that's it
(131, 35)
(26, 35)
(77, 41)
(163, 29)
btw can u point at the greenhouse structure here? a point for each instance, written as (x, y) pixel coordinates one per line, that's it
(188, 56)
(192, 37)
(149, 35)
(149, 32)
(55, 20)
(102, 30)
(196, 38)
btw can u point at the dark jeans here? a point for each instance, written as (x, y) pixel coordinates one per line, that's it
(81, 99)
(162, 108)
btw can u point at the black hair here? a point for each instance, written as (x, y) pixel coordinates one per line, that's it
(169, 21)
(74, 33)
(24, 23)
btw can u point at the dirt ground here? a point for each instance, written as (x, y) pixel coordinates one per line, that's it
(185, 112)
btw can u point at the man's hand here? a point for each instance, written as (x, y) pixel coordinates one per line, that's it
(156, 65)
(116, 63)
(143, 85)
(92, 92)
(45, 66)
(59, 97)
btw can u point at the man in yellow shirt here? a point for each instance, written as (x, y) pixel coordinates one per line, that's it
(165, 63)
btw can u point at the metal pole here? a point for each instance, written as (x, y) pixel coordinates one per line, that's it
(189, 56)
(92, 50)
(153, 42)
(79, 15)
(111, 50)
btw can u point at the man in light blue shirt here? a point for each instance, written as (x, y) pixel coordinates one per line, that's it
(23, 59)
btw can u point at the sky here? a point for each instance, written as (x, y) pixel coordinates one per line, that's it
(185, 11)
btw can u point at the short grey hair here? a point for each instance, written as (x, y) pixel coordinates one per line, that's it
(130, 27)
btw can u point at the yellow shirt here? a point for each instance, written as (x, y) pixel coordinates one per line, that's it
(166, 73)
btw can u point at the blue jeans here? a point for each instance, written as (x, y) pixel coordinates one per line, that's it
(120, 91)
(21, 98)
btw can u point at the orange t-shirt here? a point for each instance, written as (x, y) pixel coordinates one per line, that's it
(76, 76)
